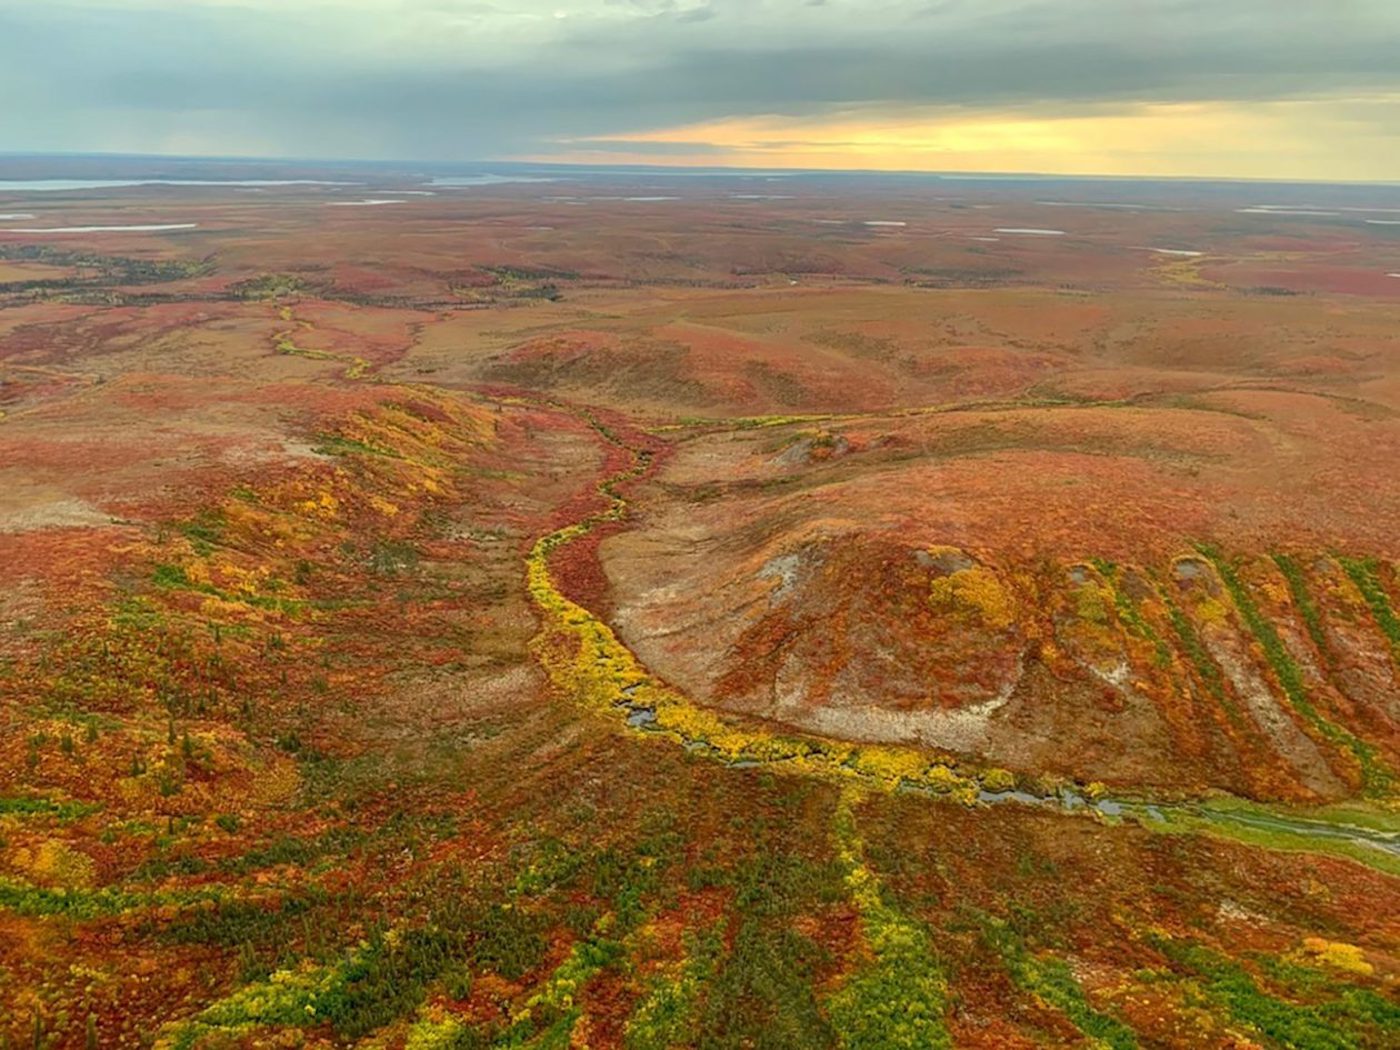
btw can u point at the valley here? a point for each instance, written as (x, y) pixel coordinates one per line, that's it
(739, 611)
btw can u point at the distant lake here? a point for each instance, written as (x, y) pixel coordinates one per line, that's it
(1093, 204)
(485, 180)
(1278, 209)
(45, 185)
(1171, 251)
(111, 229)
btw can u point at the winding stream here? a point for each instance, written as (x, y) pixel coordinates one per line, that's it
(605, 675)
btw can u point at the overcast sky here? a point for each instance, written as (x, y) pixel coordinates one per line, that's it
(1285, 88)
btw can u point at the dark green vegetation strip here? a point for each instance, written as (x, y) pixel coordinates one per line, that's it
(98, 269)
(395, 966)
(1353, 1019)
(762, 994)
(667, 1015)
(334, 844)
(174, 578)
(35, 806)
(39, 902)
(1051, 980)
(1201, 660)
(335, 445)
(1374, 778)
(1129, 614)
(1363, 573)
(1302, 600)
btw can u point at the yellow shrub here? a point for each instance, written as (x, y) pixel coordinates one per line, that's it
(1346, 957)
(383, 506)
(1212, 611)
(55, 863)
(1092, 603)
(322, 505)
(975, 592)
(998, 780)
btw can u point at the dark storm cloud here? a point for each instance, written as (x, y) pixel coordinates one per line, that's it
(437, 78)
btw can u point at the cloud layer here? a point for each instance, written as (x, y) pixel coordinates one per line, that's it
(467, 79)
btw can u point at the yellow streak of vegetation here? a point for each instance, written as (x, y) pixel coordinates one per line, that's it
(587, 661)
(1185, 273)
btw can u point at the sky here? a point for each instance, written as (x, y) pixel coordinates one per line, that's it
(1297, 89)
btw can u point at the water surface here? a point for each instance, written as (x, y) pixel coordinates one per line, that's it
(43, 185)
(1266, 209)
(459, 181)
(1172, 251)
(110, 229)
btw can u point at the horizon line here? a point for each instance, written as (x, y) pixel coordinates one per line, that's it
(718, 169)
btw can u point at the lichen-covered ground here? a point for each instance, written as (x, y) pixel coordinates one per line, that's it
(696, 626)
